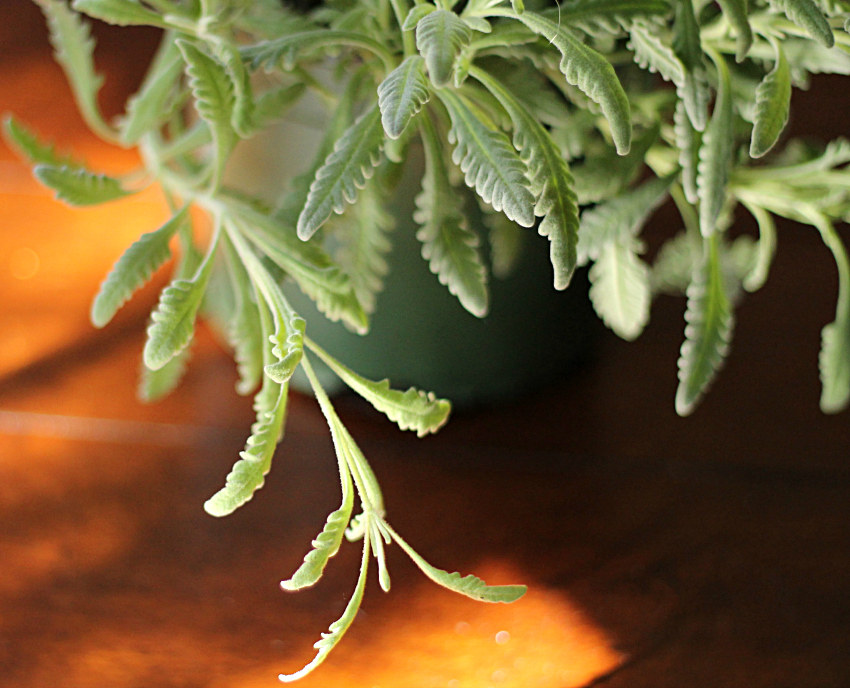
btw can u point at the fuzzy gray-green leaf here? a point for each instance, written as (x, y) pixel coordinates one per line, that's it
(346, 170)
(807, 15)
(158, 384)
(325, 546)
(133, 269)
(592, 73)
(80, 187)
(489, 162)
(707, 333)
(715, 154)
(688, 140)
(756, 278)
(440, 36)
(773, 104)
(402, 94)
(31, 147)
(551, 181)
(654, 54)
(448, 244)
(620, 290)
(120, 12)
(735, 12)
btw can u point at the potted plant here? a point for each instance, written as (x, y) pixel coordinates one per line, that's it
(577, 120)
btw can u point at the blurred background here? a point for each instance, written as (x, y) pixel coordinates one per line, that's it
(707, 551)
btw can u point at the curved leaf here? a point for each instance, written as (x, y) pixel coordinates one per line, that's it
(687, 46)
(652, 53)
(134, 269)
(599, 17)
(415, 14)
(242, 114)
(286, 50)
(347, 168)
(756, 278)
(707, 333)
(79, 187)
(551, 181)
(448, 244)
(470, 585)
(735, 12)
(158, 384)
(31, 147)
(688, 141)
(773, 104)
(410, 410)
(715, 154)
(402, 94)
(440, 36)
(120, 12)
(325, 546)
(620, 289)
(592, 73)
(489, 162)
(807, 15)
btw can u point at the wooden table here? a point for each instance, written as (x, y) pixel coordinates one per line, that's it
(659, 551)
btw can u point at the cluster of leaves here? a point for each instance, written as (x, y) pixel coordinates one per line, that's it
(550, 116)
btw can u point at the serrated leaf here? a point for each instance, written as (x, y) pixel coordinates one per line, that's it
(715, 153)
(120, 12)
(346, 170)
(470, 585)
(735, 12)
(287, 346)
(73, 44)
(489, 162)
(31, 147)
(80, 187)
(242, 114)
(620, 290)
(416, 13)
(147, 108)
(307, 263)
(402, 94)
(773, 104)
(620, 218)
(599, 17)
(248, 474)
(158, 384)
(340, 626)
(365, 235)
(707, 333)
(440, 37)
(133, 269)
(687, 46)
(592, 73)
(766, 248)
(652, 53)
(214, 100)
(288, 48)
(551, 181)
(173, 320)
(325, 546)
(448, 244)
(807, 15)
(688, 141)
(410, 410)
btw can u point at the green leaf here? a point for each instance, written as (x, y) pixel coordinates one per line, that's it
(766, 248)
(835, 350)
(242, 116)
(288, 344)
(518, 6)
(673, 268)
(620, 218)
(346, 170)
(307, 263)
(79, 187)
(807, 15)
(173, 320)
(272, 104)
(715, 154)
(620, 289)
(147, 109)
(448, 244)
(341, 625)
(214, 100)
(286, 50)
(416, 13)
(707, 333)
(592, 73)
(74, 51)
(599, 17)
(248, 474)
(410, 410)
(325, 546)
(551, 181)
(158, 384)
(735, 12)
(687, 46)
(773, 104)
(402, 94)
(440, 37)
(489, 162)
(653, 53)
(134, 269)
(688, 141)
(364, 233)
(120, 12)
(31, 147)
(469, 585)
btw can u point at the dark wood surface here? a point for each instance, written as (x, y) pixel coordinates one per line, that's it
(707, 551)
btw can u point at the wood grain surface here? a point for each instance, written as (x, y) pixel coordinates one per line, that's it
(660, 552)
